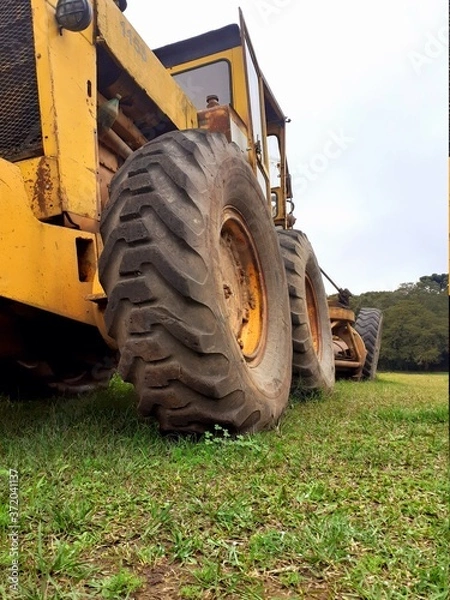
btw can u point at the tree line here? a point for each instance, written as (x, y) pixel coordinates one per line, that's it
(416, 322)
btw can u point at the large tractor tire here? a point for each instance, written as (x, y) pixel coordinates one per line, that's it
(369, 325)
(197, 295)
(313, 353)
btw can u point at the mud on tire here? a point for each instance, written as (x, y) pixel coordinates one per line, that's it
(197, 294)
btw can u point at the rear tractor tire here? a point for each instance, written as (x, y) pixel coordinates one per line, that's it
(197, 294)
(313, 354)
(369, 325)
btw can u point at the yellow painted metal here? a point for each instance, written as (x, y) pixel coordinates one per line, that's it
(66, 74)
(39, 262)
(66, 178)
(142, 65)
(54, 267)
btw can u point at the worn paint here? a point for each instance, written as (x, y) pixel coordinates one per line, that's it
(43, 185)
(40, 265)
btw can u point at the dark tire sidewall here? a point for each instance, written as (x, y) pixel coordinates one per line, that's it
(311, 370)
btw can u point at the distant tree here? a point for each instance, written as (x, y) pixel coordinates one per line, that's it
(415, 328)
(412, 338)
(435, 283)
(381, 300)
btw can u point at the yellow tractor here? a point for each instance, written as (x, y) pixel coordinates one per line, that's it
(146, 223)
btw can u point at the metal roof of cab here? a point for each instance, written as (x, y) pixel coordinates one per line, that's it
(205, 44)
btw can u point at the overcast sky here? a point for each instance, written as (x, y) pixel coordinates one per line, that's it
(365, 85)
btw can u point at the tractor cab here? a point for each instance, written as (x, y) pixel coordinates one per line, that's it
(219, 72)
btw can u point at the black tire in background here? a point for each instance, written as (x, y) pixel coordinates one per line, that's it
(52, 355)
(26, 379)
(197, 294)
(313, 353)
(369, 325)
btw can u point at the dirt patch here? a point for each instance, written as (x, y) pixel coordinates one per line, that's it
(306, 590)
(295, 582)
(162, 582)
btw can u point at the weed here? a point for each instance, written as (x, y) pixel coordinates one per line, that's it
(119, 586)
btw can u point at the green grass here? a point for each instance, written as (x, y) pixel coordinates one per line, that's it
(347, 499)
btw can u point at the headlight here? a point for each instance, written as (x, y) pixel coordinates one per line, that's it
(74, 15)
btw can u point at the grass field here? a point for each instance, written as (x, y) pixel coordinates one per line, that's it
(347, 499)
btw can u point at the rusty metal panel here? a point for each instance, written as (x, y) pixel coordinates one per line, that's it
(338, 313)
(224, 119)
(216, 120)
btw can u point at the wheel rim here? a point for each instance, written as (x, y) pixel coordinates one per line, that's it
(243, 285)
(313, 315)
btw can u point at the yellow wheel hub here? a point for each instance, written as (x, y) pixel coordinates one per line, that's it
(243, 284)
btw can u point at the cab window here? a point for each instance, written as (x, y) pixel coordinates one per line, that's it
(206, 80)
